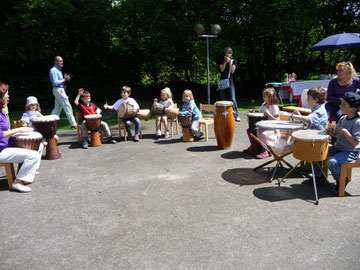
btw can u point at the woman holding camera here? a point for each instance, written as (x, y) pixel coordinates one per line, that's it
(227, 68)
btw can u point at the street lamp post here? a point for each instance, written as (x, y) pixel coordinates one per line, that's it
(215, 30)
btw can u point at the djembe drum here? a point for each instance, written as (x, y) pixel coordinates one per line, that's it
(27, 140)
(93, 122)
(47, 126)
(253, 118)
(185, 123)
(126, 111)
(224, 123)
(157, 108)
(144, 114)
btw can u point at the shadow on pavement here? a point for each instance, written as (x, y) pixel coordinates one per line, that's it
(244, 176)
(236, 155)
(207, 148)
(295, 191)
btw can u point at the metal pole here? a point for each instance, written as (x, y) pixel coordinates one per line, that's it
(208, 70)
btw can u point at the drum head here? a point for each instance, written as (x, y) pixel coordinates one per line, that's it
(256, 114)
(28, 135)
(311, 135)
(47, 118)
(224, 103)
(279, 124)
(93, 116)
(122, 110)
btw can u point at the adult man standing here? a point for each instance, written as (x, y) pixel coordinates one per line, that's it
(58, 83)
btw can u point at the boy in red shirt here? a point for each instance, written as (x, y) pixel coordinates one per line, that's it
(86, 107)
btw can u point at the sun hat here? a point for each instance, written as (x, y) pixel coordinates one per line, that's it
(31, 100)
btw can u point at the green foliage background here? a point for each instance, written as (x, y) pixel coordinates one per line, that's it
(148, 44)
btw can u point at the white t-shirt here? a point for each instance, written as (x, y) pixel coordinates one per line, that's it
(129, 101)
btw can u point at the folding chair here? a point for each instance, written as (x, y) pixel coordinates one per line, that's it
(279, 159)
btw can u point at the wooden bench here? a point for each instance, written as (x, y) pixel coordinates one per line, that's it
(206, 120)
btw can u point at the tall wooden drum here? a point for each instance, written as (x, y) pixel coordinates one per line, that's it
(47, 126)
(224, 123)
(93, 122)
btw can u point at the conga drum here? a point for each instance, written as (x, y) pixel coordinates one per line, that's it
(47, 126)
(93, 122)
(185, 123)
(157, 108)
(27, 140)
(126, 111)
(253, 118)
(224, 123)
(311, 145)
(144, 114)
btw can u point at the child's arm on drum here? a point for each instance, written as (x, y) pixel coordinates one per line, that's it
(297, 115)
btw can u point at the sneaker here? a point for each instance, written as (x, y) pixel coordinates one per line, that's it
(136, 138)
(263, 155)
(111, 140)
(158, 133)
(17, 186)
(85, 145)
(166, 134)
(237, 119)
(198, 138)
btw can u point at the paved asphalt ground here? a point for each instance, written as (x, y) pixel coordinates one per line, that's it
(165, 204)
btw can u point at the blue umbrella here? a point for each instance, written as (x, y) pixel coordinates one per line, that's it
(339, 41)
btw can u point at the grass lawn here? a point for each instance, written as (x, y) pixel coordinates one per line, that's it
(110, 116)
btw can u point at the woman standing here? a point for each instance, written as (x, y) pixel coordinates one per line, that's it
(227, 68)
(346, 81)
(30, 158)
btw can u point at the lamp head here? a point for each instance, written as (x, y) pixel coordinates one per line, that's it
(215, 29)
(199, 29)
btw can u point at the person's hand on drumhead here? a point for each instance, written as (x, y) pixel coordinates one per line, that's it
(24, 129)
(251, 110)
(331, 131)
(296, 112)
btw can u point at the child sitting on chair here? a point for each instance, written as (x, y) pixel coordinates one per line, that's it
(318, 119)
(190, 108)
(166, 100)
(270, 109)
(32, 110)
(125, 94)
(347, 133)
(86, 107)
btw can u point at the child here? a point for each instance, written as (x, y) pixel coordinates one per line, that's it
(32, 110)
(125, 93)
(318, 119)
(347, 133)
(271, 109)
(190, 108)
(166, 100)
(86, 107)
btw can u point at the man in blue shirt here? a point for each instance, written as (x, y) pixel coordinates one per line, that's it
(61, 99)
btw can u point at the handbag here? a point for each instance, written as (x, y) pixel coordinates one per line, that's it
(225, 83)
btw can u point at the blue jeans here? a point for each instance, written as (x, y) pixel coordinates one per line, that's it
(229, 94)
(333, 110)
(337, 158)
(128, 125)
